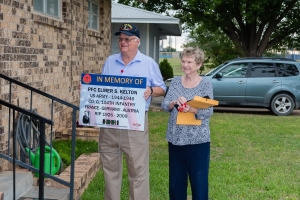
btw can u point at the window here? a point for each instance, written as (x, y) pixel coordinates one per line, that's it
(48, 7)
(235, 70)
(263, 70)
(285, 70)
(93, 18)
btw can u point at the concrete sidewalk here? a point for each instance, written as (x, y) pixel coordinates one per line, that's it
(156, 103)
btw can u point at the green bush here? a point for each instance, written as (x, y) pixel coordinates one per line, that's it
(166, 69)
(63, 147)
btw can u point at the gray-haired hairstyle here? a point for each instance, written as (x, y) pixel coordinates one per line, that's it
(194, 51)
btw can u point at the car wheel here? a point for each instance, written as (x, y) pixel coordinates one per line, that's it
(282, 105)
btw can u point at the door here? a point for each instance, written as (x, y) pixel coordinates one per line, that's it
(262, 83)
(230, 88)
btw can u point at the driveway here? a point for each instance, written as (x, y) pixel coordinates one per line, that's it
(156, 102)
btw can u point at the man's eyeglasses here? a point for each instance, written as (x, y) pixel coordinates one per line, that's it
(127, 40)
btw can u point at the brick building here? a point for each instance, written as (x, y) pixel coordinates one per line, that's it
(47, 44)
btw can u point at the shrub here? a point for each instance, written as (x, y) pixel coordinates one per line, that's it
(63, 147)
(166, 69)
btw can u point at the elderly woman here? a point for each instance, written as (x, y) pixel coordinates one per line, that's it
(189, 145)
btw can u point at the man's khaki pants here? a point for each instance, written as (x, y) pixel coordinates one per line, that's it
(135, 145)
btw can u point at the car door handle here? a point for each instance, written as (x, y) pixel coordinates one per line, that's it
(241, 82)
(274, 81)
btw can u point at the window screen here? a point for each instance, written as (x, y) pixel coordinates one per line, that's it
(93, 18)
(48, 7)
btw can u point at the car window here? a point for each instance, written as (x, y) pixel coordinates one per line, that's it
(285, 70)
(235, 70)
(168, 82)
(263, 70)
(210, 73)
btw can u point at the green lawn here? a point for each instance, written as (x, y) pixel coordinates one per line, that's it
(176, 65)
(252, 157)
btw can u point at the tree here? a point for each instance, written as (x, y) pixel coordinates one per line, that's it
(252, 26)
(217, 47)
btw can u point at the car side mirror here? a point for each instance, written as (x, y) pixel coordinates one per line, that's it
(219, 75)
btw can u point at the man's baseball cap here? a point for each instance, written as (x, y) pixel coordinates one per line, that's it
(129, 29)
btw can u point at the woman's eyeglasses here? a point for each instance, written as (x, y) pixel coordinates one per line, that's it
(127, 40)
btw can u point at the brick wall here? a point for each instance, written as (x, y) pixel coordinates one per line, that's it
(86, 168)
(49, 54)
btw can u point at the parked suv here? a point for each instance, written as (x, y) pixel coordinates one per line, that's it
(273, 83)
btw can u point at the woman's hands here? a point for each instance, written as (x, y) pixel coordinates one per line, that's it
(183, 106)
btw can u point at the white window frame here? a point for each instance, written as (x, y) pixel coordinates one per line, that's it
(91, 14)
(45, 12)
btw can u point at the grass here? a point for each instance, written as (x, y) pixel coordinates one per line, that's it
(252, 157)
(176, 65)
(63, 147)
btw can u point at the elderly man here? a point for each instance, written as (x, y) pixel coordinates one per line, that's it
(113, 143)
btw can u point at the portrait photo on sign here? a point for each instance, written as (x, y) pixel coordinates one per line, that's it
(86, 117)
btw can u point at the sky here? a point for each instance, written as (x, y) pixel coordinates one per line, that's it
(175, 41)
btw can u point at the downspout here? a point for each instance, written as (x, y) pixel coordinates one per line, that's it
(147, 40)
(71, 65)
(83, 35)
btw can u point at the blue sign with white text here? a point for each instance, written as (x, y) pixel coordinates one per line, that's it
(115, 81)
